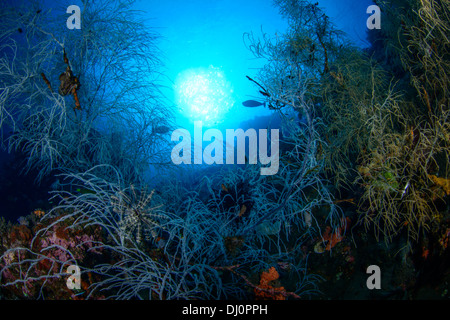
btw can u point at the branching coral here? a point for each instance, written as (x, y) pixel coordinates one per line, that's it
(35, 263)
(190, 237)
(131, 272)
(341, 119)
(373, 128)
(117, 105)
(394, 174)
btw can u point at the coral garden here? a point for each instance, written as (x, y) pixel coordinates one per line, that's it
(363, 179)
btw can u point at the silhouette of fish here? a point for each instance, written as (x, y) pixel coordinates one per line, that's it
(253, 103)
(161, 129)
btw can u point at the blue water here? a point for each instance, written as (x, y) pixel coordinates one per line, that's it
(199, 34)
(219, 216)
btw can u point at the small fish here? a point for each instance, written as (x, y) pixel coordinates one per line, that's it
(253, 104)
(84, 191)
(161, 129)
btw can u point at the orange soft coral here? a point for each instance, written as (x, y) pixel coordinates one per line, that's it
(271, 275)
(442, 182)
(332, 238)
(265, 291)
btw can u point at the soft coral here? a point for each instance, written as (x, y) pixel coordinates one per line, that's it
(265, 290)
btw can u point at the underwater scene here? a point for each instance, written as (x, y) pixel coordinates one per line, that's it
(224, 150)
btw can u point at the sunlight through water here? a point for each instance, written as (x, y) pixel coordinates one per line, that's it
(204, 94)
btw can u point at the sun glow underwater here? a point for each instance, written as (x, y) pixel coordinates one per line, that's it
(205, 97)
(204, 94)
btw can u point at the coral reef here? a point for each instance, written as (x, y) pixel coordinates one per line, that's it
(365, 140)
(265, 290)
(378, 137)
(116, 102)
(34, 258)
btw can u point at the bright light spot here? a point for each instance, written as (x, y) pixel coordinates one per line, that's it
(204, 94)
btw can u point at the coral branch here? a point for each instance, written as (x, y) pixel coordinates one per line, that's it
(264, 290)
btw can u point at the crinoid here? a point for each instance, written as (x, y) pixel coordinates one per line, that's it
(137, 219)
